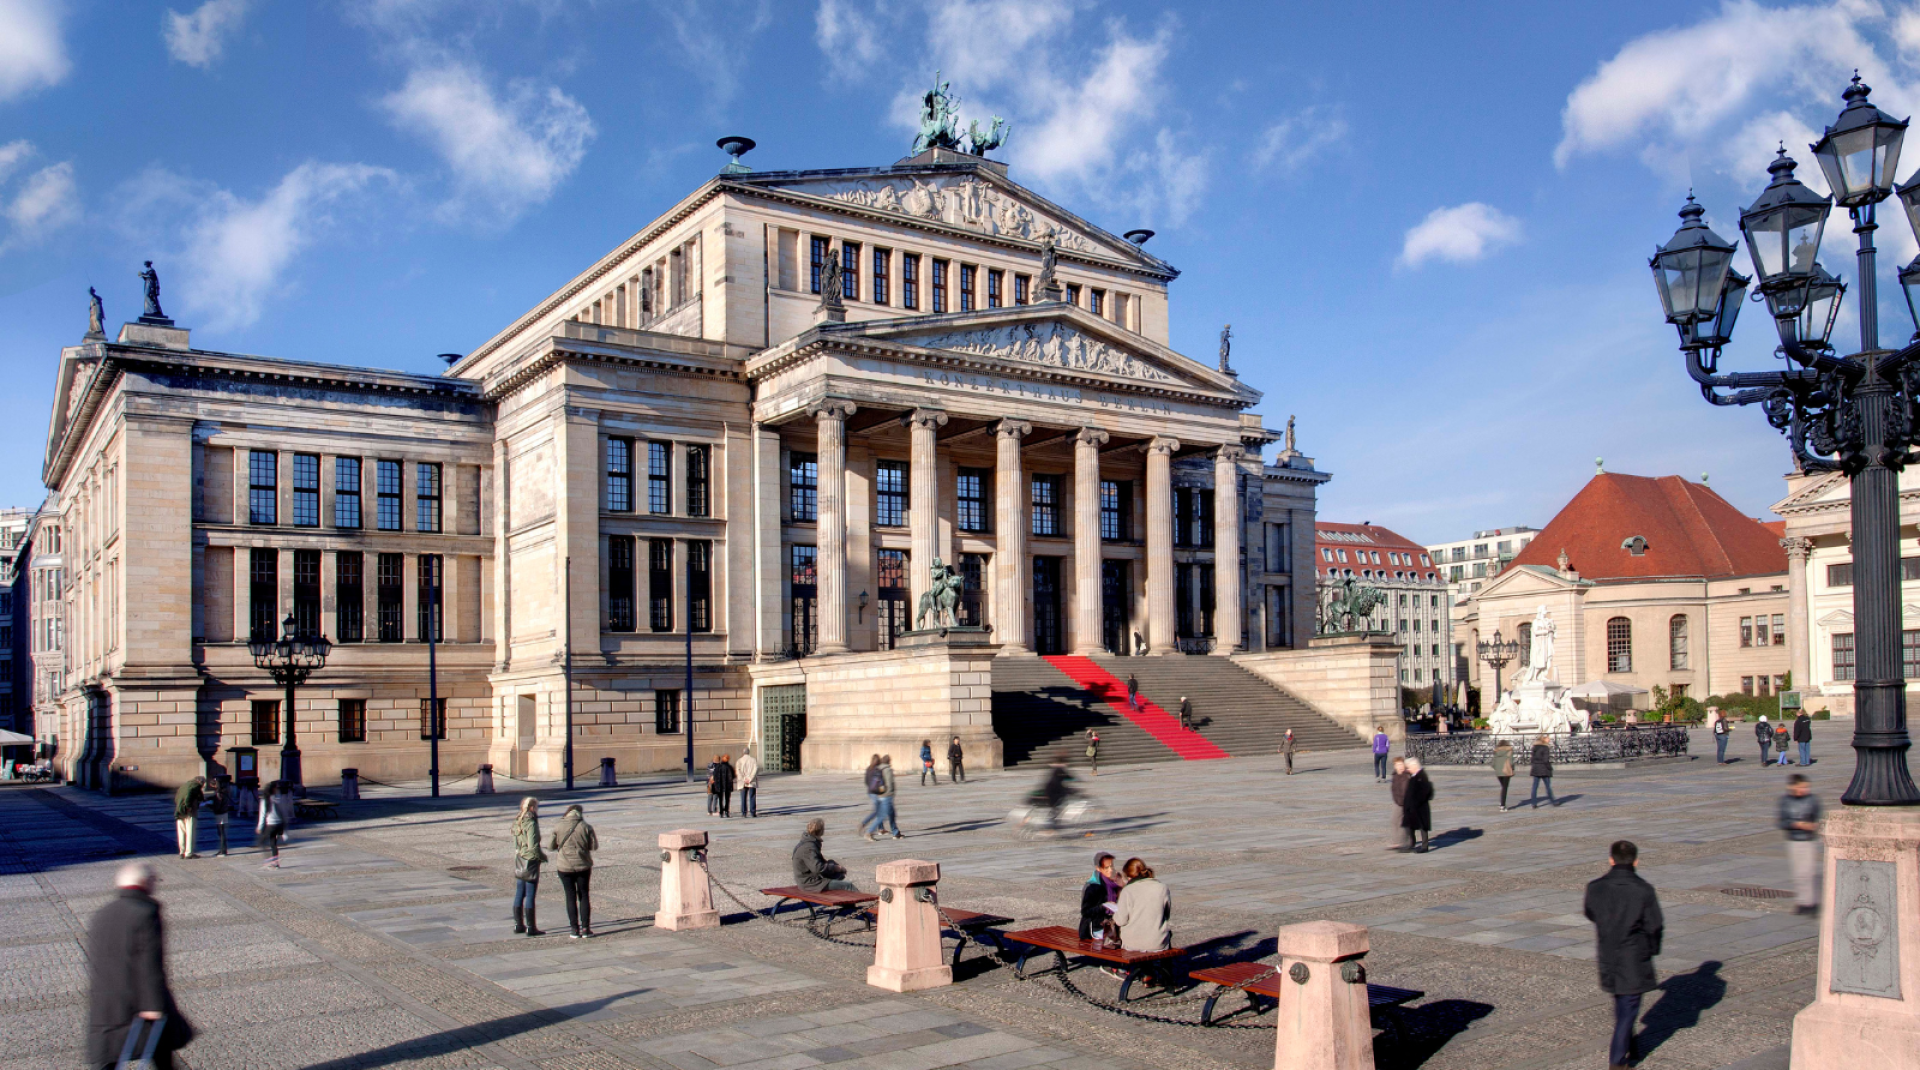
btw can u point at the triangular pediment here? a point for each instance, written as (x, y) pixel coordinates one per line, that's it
(1823, 490)
(1519, 580)
(978, 199)
(1052, 336)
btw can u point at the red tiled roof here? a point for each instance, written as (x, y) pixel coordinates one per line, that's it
(1690, 531)
(1354, 537)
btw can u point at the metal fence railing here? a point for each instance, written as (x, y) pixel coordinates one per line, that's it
(1569, 748)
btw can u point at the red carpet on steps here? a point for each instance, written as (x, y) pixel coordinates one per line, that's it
(1157, 722)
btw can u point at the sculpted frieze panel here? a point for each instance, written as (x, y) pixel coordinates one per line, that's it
(964, 202)
(1052, 344)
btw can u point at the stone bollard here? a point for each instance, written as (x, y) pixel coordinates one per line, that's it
(906, 945)
(483, 781)
(1323, 1019)
(606, 774)
(350, 785)
(686, 896)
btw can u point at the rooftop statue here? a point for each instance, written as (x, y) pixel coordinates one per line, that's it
(831, 286)
(96, 315)
(1226, 347)
(150, 279)
(980, 144)
(1290, 446)
(1045, 285)
(939, 118)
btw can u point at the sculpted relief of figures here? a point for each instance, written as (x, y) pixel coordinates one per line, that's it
(1052, 344)
(966, 202)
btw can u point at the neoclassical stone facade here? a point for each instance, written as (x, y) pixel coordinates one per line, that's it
(696, 477)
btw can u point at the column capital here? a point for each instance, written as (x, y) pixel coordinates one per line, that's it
(931, 419)
(1012, 429)
(1162, 445)
(1090, 436)
(832, 409)
(1797, 548)
(1230, 454)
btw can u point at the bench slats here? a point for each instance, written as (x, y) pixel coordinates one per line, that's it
(1066, 941)
(1241, 975)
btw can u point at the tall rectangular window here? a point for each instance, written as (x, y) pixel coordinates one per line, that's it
(1843, 655)
(1779, 629)
(939, 287)
(432, 589)
(1910, 568)
(306, 592)
(1046, 505)
(803, 486)
(697, 481)
(619, 475)
(1910, 653)
(1021, 286)
(817, 262)
(1097, 302)
(263, 594)
(659, 478)
(967, 273)
(346, 492)
(994, 279)
(973, 585)
(700, 585)
(660, 585)
(387, 591)
(349, 598)
(433, 718)
(266, 721)
(426, 494)
(353, 720)
(1116, 510)
(881, 281)
(890, 492)
(971, 511)
(620, 583)
(306, 490)
(666, 712)
(850, 270)
(910, 281)
(263, 487)
(387, 494)
(1746, 632)
(803, 587)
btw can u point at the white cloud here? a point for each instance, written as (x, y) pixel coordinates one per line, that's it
(41, 203)
(32, 53)
(198, 39)
(505, 155)
(1291, 142)
(850, 38)
(1460, 234)
(11, 154)
(709, 35)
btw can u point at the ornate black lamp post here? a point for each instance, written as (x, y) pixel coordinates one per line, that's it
(1498, 653)
(290, 660)
(1857, 414)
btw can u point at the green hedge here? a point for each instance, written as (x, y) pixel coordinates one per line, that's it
(1747, 707)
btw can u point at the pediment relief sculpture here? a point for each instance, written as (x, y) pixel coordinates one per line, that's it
(962, 202)
(1052, 344)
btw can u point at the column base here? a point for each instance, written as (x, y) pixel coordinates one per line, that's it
(704, 919)
(909, 980)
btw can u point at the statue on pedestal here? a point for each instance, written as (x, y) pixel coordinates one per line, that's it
(150, 284)
(1226, 347)
(96, 315)
(942, 598)
(1540, 651)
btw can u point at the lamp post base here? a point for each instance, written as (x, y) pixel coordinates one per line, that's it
(1866, 1008)
(290, 769)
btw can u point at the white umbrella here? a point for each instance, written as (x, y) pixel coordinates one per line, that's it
(14, 739)
(1604, 692)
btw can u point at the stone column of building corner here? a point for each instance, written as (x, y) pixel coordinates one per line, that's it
(1160, 615)
(923, 489)
(1799, 661)
(1010, 621)
(831, 420)
(1087, 602)
(1228, 617)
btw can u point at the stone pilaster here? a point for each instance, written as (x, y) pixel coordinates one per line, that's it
(1798, 638)
(830, 417)
(1086, 539)
(1010, 526)
(923, 490)
(1229, 619)
(1160, 544)
(769, 553)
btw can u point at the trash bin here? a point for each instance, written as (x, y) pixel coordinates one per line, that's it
(349, 785)
(483, 781)
(606, 774)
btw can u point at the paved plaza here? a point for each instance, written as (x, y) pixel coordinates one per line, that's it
(385, 941)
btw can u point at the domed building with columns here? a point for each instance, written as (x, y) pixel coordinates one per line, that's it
(706, 480)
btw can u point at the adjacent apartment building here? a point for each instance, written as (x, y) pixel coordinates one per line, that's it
(1416, 611)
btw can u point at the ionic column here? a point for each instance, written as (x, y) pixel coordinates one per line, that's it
(923, 500)
(1086, 539)
(1799, 661)
(830, 418)
(1160, 544)
(1228, 619)
(1010, 528)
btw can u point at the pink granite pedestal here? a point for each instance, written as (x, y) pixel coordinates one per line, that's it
(1323, 1019)
(686, 896)
(906, 947)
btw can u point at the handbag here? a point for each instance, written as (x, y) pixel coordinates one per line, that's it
(144, 1061)
(526, 869)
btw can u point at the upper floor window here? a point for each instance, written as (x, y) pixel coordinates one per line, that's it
(910, 280)
(1097, 302)
(1116, 510)
(1840, 575)
(817, 262)
(1021, 284)
(1677, 643)
(306, 490)
(939, 287)
(890, 485)
(426, 495)
(967, 274)
(263, 487)
(620, 475)
(1046, 505)
(697, 481)
(1073, 293)
(1619, 645)
(620, 583)
(659, 478)
(881, 259)
(803, 486)
(971, 487)
(346, 492)
(1843, 655)
(387, 494)
(850, 270)
(994, 279)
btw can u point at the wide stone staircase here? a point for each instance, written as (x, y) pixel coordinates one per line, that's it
(1039, 710)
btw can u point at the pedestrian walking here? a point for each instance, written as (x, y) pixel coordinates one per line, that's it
(1398, 789)
(888, 798)
(748, 769)
(574, 842)
(876, 784)
(926, 764)
(723, 786)
(1803, 736)
(1133, 693)
(1286, 748)
(1800, 820)
(956, 762)
(1627, 929)
(527, 857)
(1382, 745)
(220, 804)
(1720, 735)
(1782, 736)
(1417, 808)
(1093, 751)
(186, 814)
(1542, 772)
(1503, 768)
(1186, 713)
(271, 824)
(713, 801)
(1764, 733)
(127, 958)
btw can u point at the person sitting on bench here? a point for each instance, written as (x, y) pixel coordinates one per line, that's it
(814, 872)
(1144, 911)
(1097, 897)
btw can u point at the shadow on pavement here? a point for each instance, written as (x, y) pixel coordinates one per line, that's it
(467, 1037)
(1424, 1030)
(1459, 835)
(1682, 998)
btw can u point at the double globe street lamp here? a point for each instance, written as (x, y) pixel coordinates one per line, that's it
(1499, 653)
(1858, 414)
(290, 659)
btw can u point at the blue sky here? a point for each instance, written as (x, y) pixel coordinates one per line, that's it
(1428, 223)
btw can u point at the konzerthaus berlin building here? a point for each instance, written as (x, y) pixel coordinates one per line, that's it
(687, 452)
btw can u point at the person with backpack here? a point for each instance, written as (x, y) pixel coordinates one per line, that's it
(1503, 768)
(926, 764)
(1720, 734)
(880, 788)
(1542, 772)
(1764, 733)
(1803, 737)
(573, 840)
(1093, 751)
(220, 802)
(956, 766)
(1782, 736)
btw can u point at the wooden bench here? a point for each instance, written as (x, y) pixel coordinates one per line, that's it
(1258, 980)
(315, 808)
(1063, 942)
(833, 904)
(966, 925)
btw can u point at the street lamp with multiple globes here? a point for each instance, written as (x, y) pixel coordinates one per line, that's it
(290, 660)
(1498, 653)
(1858, 414)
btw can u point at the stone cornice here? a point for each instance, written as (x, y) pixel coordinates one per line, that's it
(565, 350)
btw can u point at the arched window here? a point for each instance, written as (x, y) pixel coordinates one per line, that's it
(1619, 645)
(1524, 634)
(1677, 642)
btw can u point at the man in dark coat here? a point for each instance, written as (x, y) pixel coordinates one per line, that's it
(1097, 896)
(127, 954)
(723, 785)
(1416, 808)
(812, 870)
(1627, 928)
(1803, 735)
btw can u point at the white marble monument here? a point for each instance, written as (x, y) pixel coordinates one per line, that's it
(1538, 703)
